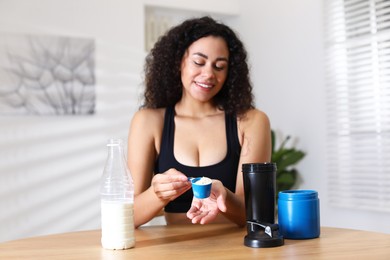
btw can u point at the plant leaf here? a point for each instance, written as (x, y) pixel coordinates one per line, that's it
(290, 158)
(286, 179)
(273, 140)
(279, 154)
(284, 142)
(283, 158)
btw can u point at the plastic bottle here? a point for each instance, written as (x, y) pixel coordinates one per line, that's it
(117, 199)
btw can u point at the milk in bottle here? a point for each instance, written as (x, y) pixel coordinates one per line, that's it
(117, 198)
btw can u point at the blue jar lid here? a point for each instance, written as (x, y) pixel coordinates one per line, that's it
(298, 194)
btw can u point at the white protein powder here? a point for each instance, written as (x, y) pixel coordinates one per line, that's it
(203, 181)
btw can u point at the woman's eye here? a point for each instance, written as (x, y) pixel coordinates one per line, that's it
(219, 67)
(199, 63)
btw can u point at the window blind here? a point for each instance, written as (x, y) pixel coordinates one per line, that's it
(357, 36)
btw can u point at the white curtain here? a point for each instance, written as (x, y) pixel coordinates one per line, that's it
(358, 103)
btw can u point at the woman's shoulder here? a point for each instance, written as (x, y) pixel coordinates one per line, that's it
(149, 117)
(253, 119)
(150, 112)
(254, 115)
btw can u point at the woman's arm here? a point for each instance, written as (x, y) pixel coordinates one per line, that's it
(255, 138)
(151, 192)
(141, 156)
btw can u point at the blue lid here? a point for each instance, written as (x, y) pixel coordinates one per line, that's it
(298, 194)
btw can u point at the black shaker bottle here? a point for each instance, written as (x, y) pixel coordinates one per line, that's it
(259, 189)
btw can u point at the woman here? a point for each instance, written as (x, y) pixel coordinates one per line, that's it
(198, 119)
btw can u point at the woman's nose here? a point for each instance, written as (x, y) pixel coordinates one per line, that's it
(208, 71)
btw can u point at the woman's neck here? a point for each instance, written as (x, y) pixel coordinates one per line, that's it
(196, 109)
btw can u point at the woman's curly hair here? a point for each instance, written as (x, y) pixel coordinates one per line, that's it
(162, 67)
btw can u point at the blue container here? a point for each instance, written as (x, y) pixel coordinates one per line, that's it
(201, 191)
(299, 214)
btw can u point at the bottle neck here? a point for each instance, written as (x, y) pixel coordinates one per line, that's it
(115, 152)
(116, 156)
(116, 182)
(115, 148)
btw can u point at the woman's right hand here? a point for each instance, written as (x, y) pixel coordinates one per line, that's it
(170, 184)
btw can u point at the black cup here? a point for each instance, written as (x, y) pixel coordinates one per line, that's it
(259, 188)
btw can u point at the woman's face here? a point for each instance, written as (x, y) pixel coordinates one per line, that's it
(204, 68)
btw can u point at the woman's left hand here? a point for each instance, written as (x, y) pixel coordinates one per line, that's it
(204, 211)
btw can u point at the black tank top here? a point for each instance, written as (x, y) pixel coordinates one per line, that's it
(225, 170)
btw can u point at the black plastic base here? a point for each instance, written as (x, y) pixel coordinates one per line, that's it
(262, 240)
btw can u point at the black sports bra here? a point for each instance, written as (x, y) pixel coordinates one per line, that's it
(225, 170)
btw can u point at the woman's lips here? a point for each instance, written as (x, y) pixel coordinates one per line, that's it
(204, 85)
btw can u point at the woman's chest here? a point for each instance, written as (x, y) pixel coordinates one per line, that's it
(200, 142)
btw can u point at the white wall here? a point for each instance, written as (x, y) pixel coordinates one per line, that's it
(50, 166)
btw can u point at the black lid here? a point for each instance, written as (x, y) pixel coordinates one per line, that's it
(258, 167)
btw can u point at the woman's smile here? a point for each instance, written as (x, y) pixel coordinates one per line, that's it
(204, 85)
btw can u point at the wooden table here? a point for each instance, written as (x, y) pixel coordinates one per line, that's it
(213, 241)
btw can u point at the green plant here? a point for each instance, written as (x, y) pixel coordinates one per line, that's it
(285, 159)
